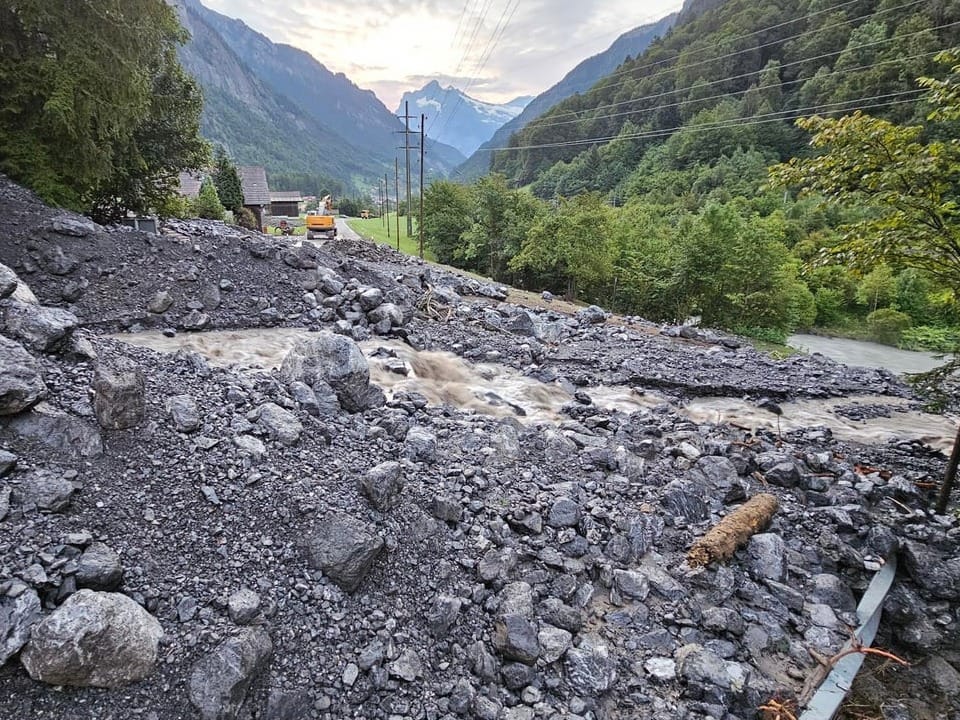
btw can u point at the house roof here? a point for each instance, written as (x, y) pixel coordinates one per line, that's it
(285, 196)
(190, 184)
(253, 180)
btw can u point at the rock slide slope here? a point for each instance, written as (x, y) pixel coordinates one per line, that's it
(295, 544)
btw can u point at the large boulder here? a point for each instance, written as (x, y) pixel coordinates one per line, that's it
(8, 281)
(335, 360)
(21, 383)
(67, 434)
(38, 327)
(345, 549)
(119, 395)
(220, 680)
(95, 638)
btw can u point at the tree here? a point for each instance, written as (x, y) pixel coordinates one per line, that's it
(572, 244)
(878, 288)
(446, 216)
(97, 113)
(227, 180)
(207, 204)
(904, 186)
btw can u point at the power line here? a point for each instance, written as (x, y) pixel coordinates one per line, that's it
(777, 116)
(726, 56)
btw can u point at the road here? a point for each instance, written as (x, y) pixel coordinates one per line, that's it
(345, 231)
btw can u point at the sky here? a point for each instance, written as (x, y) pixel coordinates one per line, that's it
(495, 50)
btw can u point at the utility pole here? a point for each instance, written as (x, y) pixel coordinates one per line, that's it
(420, 221)
(406, 147)
(396, 187)
(386, 185)
(380, 198)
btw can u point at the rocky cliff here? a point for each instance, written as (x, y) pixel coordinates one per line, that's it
(295, 543)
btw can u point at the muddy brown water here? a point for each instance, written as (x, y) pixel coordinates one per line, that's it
(446, 378)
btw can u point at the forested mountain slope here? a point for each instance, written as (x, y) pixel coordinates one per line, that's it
(736, 75)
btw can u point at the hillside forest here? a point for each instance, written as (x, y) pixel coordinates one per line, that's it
(688, 182)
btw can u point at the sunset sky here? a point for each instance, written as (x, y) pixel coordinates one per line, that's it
(495, 50)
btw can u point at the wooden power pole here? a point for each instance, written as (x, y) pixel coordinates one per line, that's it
(386, 195)
(406, 147)
(396, 187)
(420, 221)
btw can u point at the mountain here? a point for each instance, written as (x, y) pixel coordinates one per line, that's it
(734, 74)
(274, 105)
(578, 80)
(455, 118)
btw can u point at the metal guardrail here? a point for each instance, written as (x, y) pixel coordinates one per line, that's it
(834, 688)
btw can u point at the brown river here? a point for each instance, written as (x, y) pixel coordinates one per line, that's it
(444, 377)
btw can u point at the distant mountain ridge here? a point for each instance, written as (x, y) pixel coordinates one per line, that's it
(584, 76)
(274, 105)
(455, 118)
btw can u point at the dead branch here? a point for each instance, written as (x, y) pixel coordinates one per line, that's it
(723, 539)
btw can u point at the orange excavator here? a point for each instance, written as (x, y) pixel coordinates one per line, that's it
(322, 222)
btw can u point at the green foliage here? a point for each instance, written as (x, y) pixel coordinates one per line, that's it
(878, 288)
(207, 204)
(349, 207)
(571, 246)
(227, 180)
(887, 324)
(933, 339)
(446, 217)
(245, 218)
(97, 115)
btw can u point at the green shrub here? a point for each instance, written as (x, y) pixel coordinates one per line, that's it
(245, 218)
(886, 325)
(932, 339)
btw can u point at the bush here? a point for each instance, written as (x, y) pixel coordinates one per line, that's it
(245, 218)
(932, 339)
(830, 304)
(207, 204)
(886, 325)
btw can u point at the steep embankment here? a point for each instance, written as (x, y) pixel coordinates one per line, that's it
(308, 548)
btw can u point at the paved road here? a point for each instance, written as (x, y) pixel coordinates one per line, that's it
(345, 231)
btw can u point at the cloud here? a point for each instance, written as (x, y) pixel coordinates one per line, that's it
(393, 46)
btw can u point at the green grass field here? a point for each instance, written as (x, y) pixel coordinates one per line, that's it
(374, 229)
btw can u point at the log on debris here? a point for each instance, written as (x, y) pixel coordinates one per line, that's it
(723, 539)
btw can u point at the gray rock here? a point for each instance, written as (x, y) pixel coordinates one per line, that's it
(382, 485)
(831, 590)
(516, 598)
(21, 384)
(661, 669)
(243, 606)
(443, 614)
(592, 315)
(767, 557)
(387, 312)
(119, 395)
(446, 508)
(408, 666)
(937, 576)
(515, 638)
(554, 642)
(420, 445)
(47, 492)
(194, 320)
(685, 498)
(250, 446)
(521, 323)
(99, 568)
(74, 226)
(563, 513)
(723, 620)
(370, 298)
(160, 302)
(38, 327)
(944, 677)
(344, 549)
(662, 582)
(708, 675)
(56, 262)
(590, 668)
(334, 360)
(307, 399)
(94, 638)
(8, 281)
(210, 296)
(66, 434)
(219, 681)
(5, 493)
(184, 413)
(631, 584)
(288, 705)
(461, 698)
(280, 424)
(19, 610)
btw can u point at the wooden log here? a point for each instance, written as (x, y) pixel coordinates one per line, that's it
(723, 539)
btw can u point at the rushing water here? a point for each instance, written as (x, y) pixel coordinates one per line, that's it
(867, 354)
(497, 390)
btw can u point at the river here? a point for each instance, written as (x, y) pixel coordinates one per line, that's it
(445, 378)
(867, 354)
